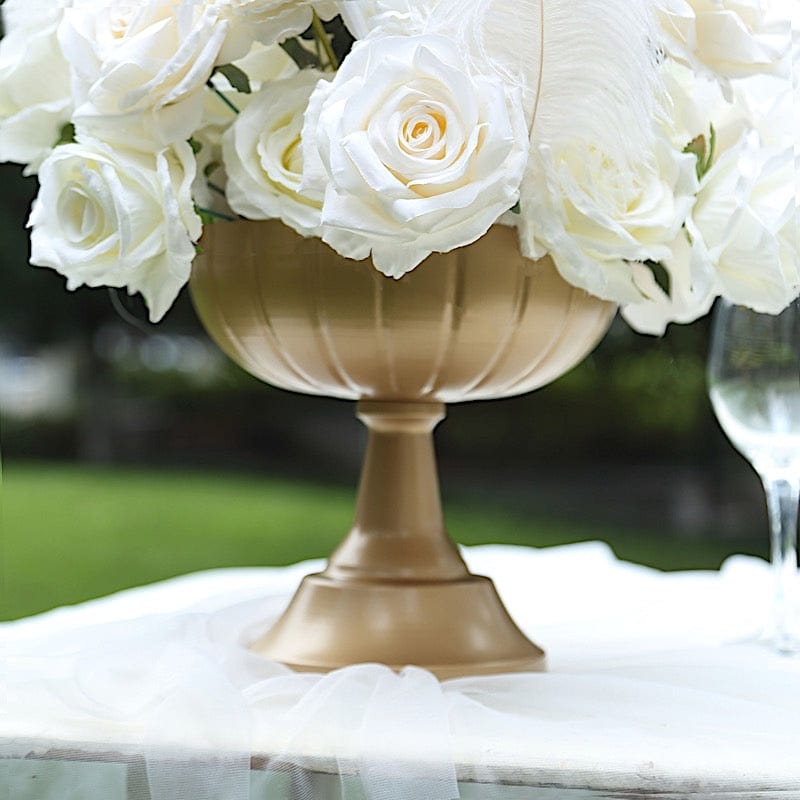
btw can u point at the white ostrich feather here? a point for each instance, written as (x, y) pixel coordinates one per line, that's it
(588, 68)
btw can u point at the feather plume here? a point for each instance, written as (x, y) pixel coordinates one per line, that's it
(588, 68)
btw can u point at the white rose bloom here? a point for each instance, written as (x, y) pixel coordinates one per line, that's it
(262, 153)
(35, 97)
(386, 17)
(270, 21)
(727, 38)
(744, 225)
(768, 104)
(109, 217)
(696, 103)
(139, 69)
(263, 64)
(209, 186)
(761, 102)
(413, 153)
(595, 216)
(691, 293)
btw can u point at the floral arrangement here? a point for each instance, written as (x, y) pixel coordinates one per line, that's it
(648, 146)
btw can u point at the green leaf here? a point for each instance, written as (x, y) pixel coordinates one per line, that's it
(236, 78)
(712, 148)
(66, 135)
(660, 274)
(195, 145)
(302, 57)
(703, 151)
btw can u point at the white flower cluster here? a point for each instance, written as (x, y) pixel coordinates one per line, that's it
(631, 140)
(732, 71)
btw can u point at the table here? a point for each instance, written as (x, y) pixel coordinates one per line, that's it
(657, 688)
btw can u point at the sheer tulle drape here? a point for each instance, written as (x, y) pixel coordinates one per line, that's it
(648, 689)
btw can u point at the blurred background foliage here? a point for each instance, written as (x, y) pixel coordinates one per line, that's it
(624, 448)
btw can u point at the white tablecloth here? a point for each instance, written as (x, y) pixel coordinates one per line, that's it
(656, 683)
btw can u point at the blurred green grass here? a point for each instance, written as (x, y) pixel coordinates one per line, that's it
(73, 533)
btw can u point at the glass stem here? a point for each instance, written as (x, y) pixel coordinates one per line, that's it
(783, 495)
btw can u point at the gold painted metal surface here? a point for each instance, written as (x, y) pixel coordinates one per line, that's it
(480, 322)
(396, 590)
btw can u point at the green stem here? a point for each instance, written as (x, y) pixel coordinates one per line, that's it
(215, 188)
(215, 214)
(322, 37)
(222, 97)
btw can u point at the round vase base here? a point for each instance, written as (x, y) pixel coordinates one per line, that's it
(452, 628)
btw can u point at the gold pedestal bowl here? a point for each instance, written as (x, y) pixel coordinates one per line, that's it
(479, 322)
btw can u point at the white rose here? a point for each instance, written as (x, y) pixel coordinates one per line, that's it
(209, 186)
(727, 38)
(768, 104)
(413, 153)
(107, 217)
(595, 216)
(385, 17)
(35, 97)
(263, 64)
(140, 68)
(499, 38)
(761, 102)
(270, 21)
(744, 225)
(696, 103)
(262, 153)
(691, 293)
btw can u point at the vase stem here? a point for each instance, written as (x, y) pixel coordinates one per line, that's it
(396, 591)
(399, 532)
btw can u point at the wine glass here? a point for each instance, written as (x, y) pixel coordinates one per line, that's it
(754, 384)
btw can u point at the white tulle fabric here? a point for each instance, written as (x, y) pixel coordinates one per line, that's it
(655, 685)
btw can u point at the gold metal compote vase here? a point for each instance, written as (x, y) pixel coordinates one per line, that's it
(479, 322)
